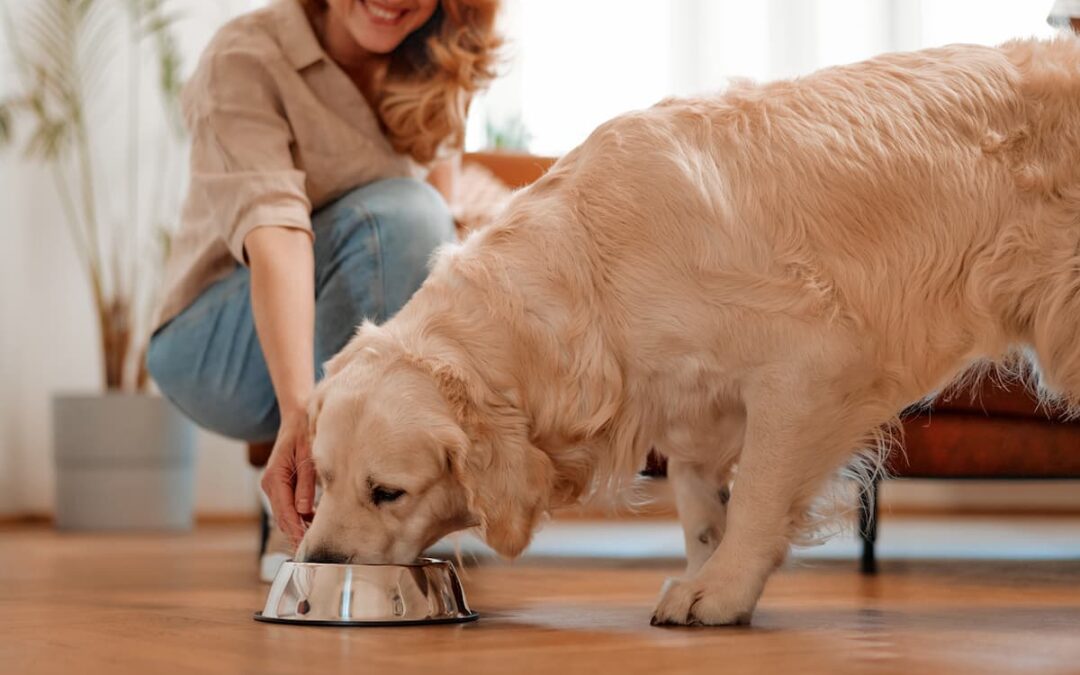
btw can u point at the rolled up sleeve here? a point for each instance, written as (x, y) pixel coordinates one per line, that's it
(243, 175)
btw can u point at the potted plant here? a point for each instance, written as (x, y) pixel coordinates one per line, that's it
(124, 457)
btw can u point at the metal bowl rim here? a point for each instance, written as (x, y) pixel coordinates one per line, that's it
(419, 562)
(375, 623)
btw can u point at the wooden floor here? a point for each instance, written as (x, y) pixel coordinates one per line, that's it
(163, 604)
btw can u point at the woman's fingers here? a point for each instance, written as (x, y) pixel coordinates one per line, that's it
(278, 486)
(289, 480)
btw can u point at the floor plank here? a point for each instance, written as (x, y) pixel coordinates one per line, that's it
(183, 603)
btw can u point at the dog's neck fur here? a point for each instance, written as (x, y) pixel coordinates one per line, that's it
(483, 324)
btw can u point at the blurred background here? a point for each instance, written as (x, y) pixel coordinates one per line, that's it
(569, 66)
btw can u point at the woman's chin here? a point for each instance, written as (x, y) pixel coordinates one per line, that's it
(376, 40)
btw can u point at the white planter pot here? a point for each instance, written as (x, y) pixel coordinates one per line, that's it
(123, 462)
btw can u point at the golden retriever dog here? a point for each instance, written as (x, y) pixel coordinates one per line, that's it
(760, 279)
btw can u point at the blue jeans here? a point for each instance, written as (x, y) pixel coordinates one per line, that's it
(371, 253)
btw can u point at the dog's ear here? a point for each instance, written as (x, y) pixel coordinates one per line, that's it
(454, 388)
(508, 483)
(507, 479)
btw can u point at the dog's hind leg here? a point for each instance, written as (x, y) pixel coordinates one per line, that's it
(802, 424)
(701, 495)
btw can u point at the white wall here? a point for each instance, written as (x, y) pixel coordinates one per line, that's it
(576, 64)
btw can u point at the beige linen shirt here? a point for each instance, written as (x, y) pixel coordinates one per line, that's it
(278, 129)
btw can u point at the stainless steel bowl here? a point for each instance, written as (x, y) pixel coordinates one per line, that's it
(424, 592)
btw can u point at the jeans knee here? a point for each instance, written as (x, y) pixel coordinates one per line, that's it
(413, 222)
(404, 208)
(415, 203)
(159, 366)
(381, 238)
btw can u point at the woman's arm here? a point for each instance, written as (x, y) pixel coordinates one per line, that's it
(283, 301)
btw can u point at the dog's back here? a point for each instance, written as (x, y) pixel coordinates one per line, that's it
(926, 201)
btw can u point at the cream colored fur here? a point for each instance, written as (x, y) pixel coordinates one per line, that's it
(759, 279)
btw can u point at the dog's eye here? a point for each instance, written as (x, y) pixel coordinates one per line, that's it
(381, 494)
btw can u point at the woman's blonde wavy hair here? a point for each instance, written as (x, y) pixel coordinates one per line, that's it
(433, 75)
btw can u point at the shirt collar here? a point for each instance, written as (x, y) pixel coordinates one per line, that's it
(297, 37)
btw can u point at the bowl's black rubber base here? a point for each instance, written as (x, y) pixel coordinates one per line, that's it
(368, 624)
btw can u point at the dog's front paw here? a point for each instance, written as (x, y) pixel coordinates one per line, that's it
(677, 600)
(689, 602)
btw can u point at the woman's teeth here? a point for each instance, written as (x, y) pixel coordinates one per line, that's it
(382, 12)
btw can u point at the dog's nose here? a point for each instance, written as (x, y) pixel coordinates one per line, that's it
(325, 555)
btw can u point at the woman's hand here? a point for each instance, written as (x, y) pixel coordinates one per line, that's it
(289, 479)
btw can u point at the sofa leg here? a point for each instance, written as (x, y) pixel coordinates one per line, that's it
(868, 514)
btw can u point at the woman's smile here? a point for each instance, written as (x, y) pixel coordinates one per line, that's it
(357, 28)
(381, 14)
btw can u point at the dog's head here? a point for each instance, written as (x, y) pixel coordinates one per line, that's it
(409, 449)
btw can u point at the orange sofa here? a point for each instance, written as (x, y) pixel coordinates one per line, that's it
(514, 169)
(999, 431)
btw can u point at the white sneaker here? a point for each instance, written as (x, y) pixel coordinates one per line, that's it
(274, 547)
(277, 550)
